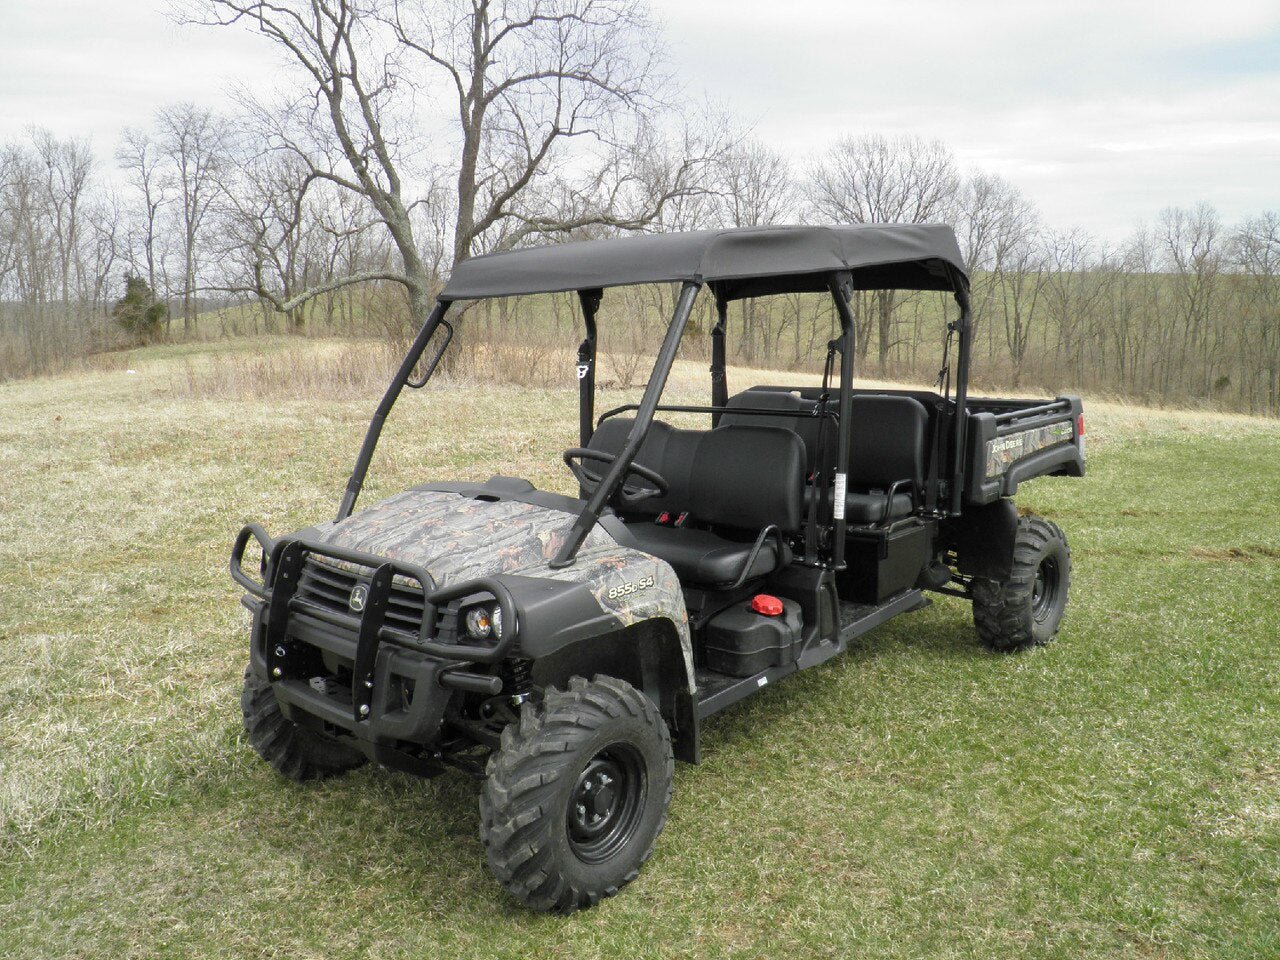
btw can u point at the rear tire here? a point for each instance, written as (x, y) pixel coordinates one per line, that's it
(1026, 609)
(577, 795)
(295, 753)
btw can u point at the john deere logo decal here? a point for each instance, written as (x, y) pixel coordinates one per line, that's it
(359, 595)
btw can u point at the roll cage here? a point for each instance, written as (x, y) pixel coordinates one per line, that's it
(868, 257)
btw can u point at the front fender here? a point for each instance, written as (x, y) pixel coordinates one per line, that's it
(557, 614)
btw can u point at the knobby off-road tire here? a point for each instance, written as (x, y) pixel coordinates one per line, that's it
(1026, 610)
(577, 794)
(294, 752)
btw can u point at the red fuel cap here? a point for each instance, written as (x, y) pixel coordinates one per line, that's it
(766, 605)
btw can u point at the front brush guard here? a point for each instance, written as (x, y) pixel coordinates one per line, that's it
(283, 562)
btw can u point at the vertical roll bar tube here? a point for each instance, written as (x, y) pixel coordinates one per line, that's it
(962, 390)
(841, 285)
(384, 408)
(590, 300)
(719, 382)
(644, 416)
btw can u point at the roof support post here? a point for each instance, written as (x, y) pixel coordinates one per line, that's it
(962, 389)
(590, 300)
(841, 286)
(388, 401)
(719, 382)
(644, 417)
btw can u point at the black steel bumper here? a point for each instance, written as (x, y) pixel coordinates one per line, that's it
(401, 681)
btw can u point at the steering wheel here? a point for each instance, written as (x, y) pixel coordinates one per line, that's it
(630, 495)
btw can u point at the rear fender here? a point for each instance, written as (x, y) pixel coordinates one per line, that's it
(983, 538)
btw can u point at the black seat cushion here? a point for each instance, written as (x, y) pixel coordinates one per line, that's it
(865, 507)
(704, 558)
(869, 507)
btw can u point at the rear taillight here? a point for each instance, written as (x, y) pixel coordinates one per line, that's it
(1080, 425)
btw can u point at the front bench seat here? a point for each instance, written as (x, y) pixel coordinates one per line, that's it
(736, 479)
(705, 559)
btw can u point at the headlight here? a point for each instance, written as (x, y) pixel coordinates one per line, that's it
(483, 621)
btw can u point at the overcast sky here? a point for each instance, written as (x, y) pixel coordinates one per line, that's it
(1103, 111)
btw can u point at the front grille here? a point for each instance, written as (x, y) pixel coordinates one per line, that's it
(330, 587)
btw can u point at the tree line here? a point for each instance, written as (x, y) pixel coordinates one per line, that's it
(413, 134)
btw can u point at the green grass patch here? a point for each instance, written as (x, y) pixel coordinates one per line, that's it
(1116, 794)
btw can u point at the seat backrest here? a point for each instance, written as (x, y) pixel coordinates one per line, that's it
(740, 476)
(887, 442)
(748, 477)
(795, 413)
(668, 450)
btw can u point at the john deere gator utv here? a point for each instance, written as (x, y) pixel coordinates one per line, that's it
(566, 649)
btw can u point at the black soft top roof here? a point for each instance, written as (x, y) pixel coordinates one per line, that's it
(736, 263)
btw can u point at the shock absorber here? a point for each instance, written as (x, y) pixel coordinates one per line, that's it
(521, 685)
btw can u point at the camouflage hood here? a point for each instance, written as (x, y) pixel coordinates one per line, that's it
(457, 537)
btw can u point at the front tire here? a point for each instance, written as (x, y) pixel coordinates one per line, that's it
(295, 753)
(1026, 609)
(577, 795)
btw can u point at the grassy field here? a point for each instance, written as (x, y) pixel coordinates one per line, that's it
(1114, 795)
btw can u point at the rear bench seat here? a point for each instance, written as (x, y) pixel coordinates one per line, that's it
(888, 446)
(737, 480)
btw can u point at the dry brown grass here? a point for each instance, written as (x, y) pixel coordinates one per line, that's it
(325, 369)
(917, 797)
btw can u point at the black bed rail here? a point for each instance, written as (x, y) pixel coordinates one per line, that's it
(1041, 416)
(283, 571)
(1044, 409)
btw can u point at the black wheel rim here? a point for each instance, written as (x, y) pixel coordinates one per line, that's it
(606, 804)
(1044, 593)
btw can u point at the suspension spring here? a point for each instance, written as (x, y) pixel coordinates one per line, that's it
(521, 680)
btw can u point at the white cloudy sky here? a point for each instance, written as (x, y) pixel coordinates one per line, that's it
(1104, 111)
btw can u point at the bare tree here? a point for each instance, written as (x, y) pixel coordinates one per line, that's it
(529, 77)
(994, 219)
(67, 164)
(1021, 277)
(1192, 245)
(195, 143)
(877, 179)
(1257, 256)
(140, 158)
(755, 189)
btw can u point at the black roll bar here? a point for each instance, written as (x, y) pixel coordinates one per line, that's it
(841, 286)
(713, 409)
(590, 300)
(644, 417)
(962, 390)
(719, 379)
(388, 401)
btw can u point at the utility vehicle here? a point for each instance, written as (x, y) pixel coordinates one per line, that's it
(566, 649)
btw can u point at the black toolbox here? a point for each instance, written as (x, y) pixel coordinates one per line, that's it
(880, 563)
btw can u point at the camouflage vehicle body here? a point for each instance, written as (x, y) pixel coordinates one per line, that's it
(459, 533)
